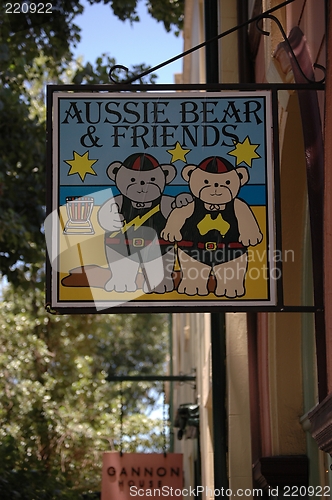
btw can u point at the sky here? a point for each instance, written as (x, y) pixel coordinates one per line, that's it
(144, 42)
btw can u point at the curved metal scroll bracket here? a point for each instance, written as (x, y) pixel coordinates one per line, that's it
(114, 68)
(282, 31)
(131, 79)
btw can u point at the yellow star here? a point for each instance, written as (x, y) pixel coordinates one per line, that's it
(178, 153)
(81, 165)
(245, 152)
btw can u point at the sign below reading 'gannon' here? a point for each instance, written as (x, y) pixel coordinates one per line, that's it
(161, 200)
(145, 475)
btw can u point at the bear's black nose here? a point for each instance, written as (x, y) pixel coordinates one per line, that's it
(142, 183)
(216, 184)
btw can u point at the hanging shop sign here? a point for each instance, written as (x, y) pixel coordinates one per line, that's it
(162, 201)
(144, 475)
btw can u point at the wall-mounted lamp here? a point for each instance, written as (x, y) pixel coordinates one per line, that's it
(187, 420)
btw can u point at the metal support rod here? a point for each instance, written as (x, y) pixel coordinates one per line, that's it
(171, 389)
(151, 378)
(212, 49)
(277, 194)
(218, 348)
(216, 87)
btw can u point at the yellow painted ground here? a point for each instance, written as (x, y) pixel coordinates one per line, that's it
(78, 250)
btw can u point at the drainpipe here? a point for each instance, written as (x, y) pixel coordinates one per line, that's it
(212, 49)
(171, 402)
(218, 350)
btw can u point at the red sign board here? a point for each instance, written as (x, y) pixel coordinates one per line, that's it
(142, 475)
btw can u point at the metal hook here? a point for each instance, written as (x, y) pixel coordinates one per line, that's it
(134, 77)
(282, 31)
(323, 69)
(49, 309)
(263, 32)
(114, 68)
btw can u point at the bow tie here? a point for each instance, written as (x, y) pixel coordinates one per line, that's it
(215, 207)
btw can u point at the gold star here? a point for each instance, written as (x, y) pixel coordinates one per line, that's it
(81, 165)
(245, 152)
(178, 153)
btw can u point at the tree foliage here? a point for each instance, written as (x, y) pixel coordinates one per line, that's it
(169, 12)
(25, 36)
(58, 412)
(23, 39)
(22, 186)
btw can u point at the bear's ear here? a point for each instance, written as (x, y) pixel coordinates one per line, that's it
(113, 169)
(242, 172)
(187, 171)
(169, 171)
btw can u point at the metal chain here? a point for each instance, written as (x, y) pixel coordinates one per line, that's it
(121, 420)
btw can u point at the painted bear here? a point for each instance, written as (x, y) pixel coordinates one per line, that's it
(214, 231)
(133, 221)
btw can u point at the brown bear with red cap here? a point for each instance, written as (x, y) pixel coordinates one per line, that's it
(213, 231)
(133, 221)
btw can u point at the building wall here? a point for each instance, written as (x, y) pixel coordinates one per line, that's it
(193, 34)
(192, 354)
(238, 406)
(183, 363)
(228, 46)
(291, 357)
(204, 399)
